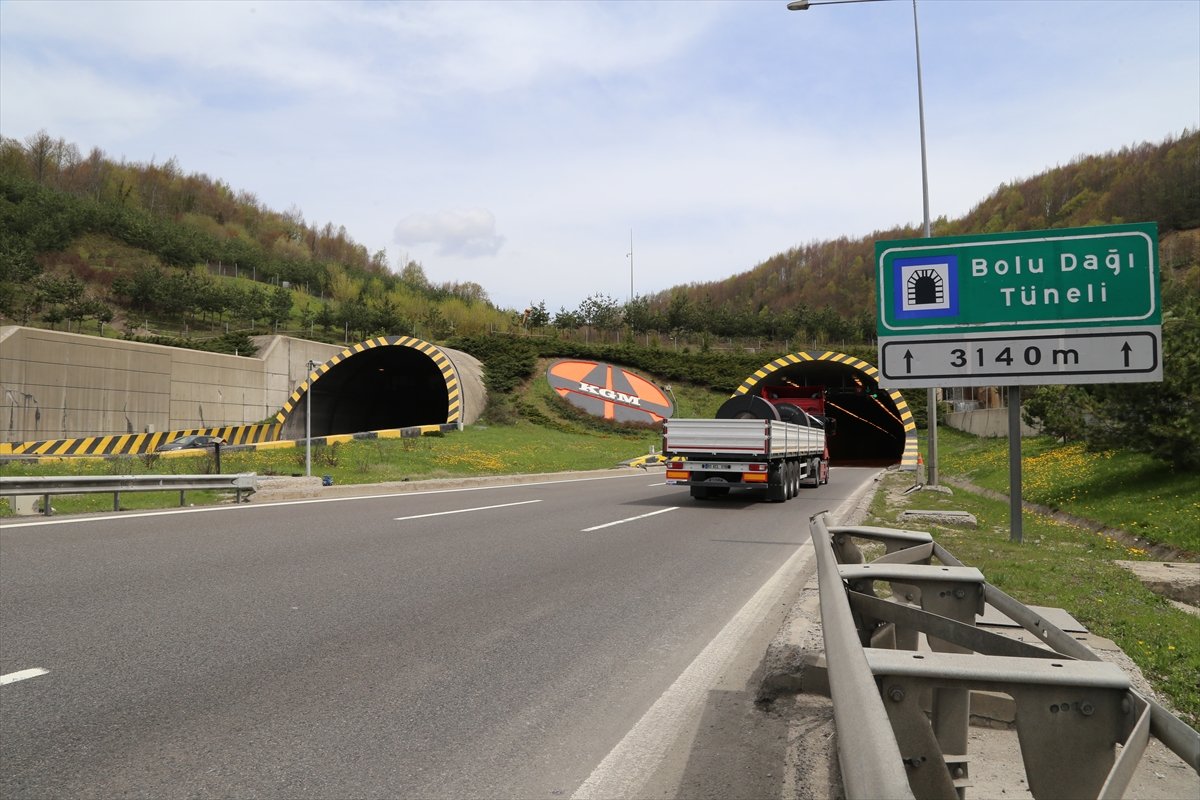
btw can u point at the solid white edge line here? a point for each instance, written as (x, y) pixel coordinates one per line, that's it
(5, 525)
(24, 674)
(465, 510)
(627, 767)
(629, 519)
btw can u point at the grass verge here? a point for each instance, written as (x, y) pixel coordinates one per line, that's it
(476, 450)
(1120, 489)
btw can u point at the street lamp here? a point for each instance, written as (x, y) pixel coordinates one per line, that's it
(630, 255)
(312, 365)
(931, 396)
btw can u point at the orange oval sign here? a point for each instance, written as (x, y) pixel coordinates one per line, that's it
(610, 392)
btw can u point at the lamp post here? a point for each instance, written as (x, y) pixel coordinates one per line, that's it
(312, 365)
(931, 396)
(630, 254)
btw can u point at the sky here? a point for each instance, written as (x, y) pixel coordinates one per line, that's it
(532, 147)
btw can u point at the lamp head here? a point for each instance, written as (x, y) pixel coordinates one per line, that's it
(798, 5)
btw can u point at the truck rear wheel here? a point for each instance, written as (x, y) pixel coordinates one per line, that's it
(777, 484)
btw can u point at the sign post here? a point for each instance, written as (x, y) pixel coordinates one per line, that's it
(1068, 306)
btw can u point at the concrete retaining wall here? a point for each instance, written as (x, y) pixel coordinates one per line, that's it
(991, 422)
(57, 385)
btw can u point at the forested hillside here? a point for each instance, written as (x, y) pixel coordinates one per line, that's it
(148, 247)
(89, 242)
(811, 284)
(148, 251)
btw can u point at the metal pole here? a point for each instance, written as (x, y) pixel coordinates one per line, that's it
(308, 422)
(1014, 463)
(931, 396)
(631, 294)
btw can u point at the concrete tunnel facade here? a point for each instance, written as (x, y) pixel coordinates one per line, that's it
(873, 426)
(385, 383)
(400, 382)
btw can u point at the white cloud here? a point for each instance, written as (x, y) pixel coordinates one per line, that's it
(469, 233)
(62, 98)
(720, 132)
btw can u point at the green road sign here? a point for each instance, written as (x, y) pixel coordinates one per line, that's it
(1076, 305)
(1069, 278)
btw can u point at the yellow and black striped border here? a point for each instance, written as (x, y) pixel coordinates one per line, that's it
(440, 359)
(341, 438)
(908, 461)
(134, 443)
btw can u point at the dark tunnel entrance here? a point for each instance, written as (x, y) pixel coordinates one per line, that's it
(867, 425)
(378, 388)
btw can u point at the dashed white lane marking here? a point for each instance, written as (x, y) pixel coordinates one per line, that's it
(465, 510)
(629, 519)
(664, 483)
(24, 674)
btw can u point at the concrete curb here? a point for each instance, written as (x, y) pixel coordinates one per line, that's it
(274, 489)
(799, 643)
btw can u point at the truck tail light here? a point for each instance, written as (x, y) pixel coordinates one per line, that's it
(677, 475)
(756, 467)
(754, 477)
(674, 465)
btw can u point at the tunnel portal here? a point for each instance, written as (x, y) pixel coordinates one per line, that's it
(380, 384)
(867, 425)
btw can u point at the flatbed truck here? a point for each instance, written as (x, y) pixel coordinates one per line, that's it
(746, 447)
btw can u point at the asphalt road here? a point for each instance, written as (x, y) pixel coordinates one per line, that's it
(492, 642)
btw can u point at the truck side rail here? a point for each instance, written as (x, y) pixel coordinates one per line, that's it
(243, 483)
(1083, 729)
(742, 437)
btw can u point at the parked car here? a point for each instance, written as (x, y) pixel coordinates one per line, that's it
(191, 442)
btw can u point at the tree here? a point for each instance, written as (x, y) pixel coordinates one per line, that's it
(308, 314)
(385, 315)
(17, 269)
(1160, 419)
(566, 320)
(413, 276)
(1058, 411)
(254, 303)
(680, 314)
(600, 311)
(279, 306)
(640, 317)
(537, 316)
(326, 318)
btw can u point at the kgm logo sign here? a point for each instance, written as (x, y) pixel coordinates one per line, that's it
(609, 391)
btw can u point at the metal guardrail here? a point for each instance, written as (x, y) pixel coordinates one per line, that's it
(241, 483)
(902, 713)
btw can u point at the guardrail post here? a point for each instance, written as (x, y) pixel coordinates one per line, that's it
(116, 501)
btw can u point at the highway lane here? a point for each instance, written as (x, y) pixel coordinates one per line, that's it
(495, 642)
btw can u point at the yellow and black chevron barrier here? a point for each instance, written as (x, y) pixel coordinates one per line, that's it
(136, 443)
